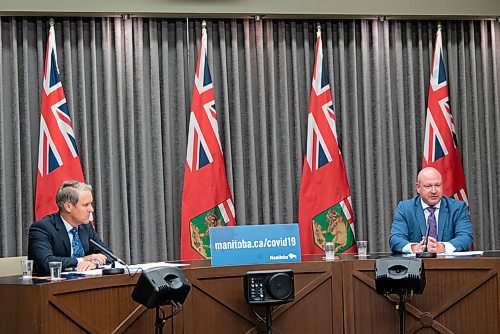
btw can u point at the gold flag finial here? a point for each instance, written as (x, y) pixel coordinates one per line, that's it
(203, 24)
(439, 26)
(51, 22)
(318, 27)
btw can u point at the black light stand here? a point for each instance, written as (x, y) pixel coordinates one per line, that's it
(159, 322)
(269, 320)
(402, 311)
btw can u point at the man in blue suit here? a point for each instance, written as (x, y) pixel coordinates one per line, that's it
(64, 236)
(448, 219)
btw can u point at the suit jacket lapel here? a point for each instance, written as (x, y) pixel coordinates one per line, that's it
(63, 234)
(419, 215)
(443, 217)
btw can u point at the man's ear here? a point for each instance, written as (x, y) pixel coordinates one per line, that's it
(68, 207)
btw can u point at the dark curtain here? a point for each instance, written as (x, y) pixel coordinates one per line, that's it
(129, 82)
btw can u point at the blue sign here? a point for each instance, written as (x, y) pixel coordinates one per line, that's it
(254, 244)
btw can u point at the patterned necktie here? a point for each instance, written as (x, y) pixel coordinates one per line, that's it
(431, 220)
(76, 244)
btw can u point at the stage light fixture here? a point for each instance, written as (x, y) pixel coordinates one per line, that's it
(161, 286)
(399, 275)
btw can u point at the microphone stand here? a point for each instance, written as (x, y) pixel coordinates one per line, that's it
(425, 254)
(113, 270)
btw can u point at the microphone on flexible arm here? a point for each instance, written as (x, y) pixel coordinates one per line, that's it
(426, 254)
(112, 270)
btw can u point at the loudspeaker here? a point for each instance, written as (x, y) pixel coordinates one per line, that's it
(269, 287)
(161, 286)
(399, 275)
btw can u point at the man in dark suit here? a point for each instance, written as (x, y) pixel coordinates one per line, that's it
(450, 229)
(64, 236)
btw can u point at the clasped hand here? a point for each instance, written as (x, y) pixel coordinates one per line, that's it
(433, 246)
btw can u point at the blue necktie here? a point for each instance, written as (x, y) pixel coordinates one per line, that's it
(431, 220)
(76, 244)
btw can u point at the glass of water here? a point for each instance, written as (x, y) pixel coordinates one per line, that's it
(27, 268)
(329, 251)
(55, 270)
(362, 247)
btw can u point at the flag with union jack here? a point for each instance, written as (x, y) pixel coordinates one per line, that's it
(325, 207)
(58, 158)
(440, 142)
(206, 198)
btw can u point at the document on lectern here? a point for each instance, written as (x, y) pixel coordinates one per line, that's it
(133, 268)
(452, 254)
(470, 253)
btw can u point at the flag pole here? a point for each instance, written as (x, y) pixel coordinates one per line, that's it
(51, 22)
(203, 24)
(318, 28)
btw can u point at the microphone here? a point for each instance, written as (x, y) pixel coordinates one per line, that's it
(425, 253)
(112, 270)
(426, 240)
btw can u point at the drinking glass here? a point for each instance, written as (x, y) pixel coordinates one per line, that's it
(362, 247)
(27, 268)
(55, 270)
(329, 251)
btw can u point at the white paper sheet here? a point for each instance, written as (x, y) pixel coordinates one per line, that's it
(454, 254)
(470, 253)
(133, 267)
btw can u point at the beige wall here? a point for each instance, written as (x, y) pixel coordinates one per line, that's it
(10, 266)
(270, 8)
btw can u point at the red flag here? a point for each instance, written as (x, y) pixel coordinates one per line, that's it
(58, 158)
(441, 144)
(206, 198)
(325, 210)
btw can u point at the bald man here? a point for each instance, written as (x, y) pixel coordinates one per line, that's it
(448, 219)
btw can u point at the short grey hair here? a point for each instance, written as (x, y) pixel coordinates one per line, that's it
(68, 192)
